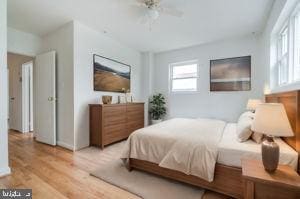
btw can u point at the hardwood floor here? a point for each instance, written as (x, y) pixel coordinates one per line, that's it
(54, 172)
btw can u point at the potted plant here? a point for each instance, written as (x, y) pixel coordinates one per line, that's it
(157, 108)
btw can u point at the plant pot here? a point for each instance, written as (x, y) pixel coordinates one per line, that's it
(156, 121)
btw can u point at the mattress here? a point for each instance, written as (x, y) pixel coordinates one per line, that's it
(230, 151)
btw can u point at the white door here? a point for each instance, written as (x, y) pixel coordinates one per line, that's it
(14, 99)
(45, 98)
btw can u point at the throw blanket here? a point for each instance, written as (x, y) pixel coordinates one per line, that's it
(186, 145)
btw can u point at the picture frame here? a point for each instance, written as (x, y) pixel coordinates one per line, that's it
(111, 75)
(230, 74)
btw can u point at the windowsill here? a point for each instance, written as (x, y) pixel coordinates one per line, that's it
(211, 92)
(184, 92)
(287, 87)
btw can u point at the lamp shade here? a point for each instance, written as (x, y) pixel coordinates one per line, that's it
(271, 119)
(252, 104)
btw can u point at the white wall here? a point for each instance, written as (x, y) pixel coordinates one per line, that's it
(148, 69)
(61, 41)
(75, 45)
(4, 168)
(22, 42)
(222, 105)
(86, 43)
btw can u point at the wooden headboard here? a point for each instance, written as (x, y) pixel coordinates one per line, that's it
(291, 102)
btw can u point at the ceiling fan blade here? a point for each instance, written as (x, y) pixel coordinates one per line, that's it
(158, 1)
(141, 1)
(136, 6)
(137, 10)
(138, 13)
(171, 11)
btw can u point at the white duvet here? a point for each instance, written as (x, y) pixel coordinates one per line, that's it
(186, 145)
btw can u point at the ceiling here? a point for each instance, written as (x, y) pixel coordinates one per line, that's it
(203, 20)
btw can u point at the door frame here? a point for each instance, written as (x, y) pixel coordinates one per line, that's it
(19, 124)
(27, 96)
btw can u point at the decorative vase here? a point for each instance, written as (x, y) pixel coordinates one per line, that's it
(156, 121)
(106, 99)
(270, 154)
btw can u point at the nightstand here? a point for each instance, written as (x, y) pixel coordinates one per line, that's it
(258, 183)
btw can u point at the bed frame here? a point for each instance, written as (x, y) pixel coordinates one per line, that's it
(227, 179)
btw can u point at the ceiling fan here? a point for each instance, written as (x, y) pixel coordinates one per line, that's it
(154, 9)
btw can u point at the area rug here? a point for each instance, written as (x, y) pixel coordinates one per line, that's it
(145, 185)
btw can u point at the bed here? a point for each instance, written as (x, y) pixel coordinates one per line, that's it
(227, 176)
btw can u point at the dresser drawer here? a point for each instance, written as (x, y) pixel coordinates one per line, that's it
(114, 115)
(114, 133)
(135, 117)
(135, 109)
(135, 113)
(113, 110)
(111, 121)
(134, 125)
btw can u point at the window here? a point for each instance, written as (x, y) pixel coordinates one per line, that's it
(283, 56)
(184, 76)
(297, 48)
(287, 42)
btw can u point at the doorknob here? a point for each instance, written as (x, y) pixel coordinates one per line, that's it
(12, 98)
(50, 99)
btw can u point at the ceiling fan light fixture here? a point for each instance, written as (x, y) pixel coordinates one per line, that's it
(153, 14)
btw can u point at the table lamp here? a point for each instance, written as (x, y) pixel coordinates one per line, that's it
(252, 104)
(271, 119)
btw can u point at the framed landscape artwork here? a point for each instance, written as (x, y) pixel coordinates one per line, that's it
(111, 75)
(231, 74)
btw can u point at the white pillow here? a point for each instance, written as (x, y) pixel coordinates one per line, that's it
(257, 137)
(243, 129)
(247, 114)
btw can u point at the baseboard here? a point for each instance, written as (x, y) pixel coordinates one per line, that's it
(4, 171)
(65, 145)
(15, 130)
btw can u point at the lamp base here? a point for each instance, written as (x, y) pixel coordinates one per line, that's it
(270, 154)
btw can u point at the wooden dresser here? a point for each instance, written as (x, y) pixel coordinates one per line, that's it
(114, 122)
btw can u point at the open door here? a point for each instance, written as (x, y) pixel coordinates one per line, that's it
(45, 98)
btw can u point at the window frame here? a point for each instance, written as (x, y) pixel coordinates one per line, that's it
(290, 55)
(295, 14)
(282, 56)
(171, 79)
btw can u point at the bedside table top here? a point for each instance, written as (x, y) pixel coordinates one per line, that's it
(284, 175)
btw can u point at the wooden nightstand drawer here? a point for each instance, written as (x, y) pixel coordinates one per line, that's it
(275, 191)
